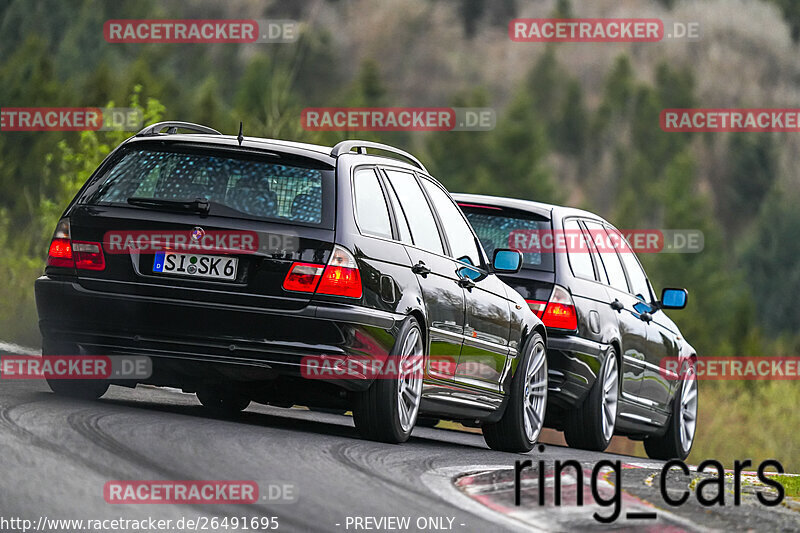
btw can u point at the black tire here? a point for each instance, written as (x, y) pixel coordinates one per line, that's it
(376, 412)
(584, 425)
(509, 433)
(670, 445)
(222, 402)
(81, 389)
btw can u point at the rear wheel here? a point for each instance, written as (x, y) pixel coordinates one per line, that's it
(519, 428)
(222, 402)
(387, 411)
(677, 442)
(81, 389)
(591, 425)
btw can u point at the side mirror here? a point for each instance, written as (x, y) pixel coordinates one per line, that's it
(674, 298)
(507, 261)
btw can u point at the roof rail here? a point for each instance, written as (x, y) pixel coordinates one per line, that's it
(173, 126)
(361, 146)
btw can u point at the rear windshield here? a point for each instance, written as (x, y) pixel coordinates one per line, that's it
(232, 186)
(500, 228)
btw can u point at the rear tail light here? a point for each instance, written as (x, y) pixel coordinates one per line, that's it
(303, 277)
(340, 277)
(88, 255)
(537, 307)
(560, 311)
(64, 252)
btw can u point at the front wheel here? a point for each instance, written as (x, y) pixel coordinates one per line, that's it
(676, 443)
(591, 425)
(519, 428)
(387, 411)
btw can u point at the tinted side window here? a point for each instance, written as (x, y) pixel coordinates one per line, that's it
(371, 211)
(578, 250)
(423, 226)
(609, 257)
(459, 234)
(636, 275)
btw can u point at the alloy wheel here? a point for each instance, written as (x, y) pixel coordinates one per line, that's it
(409, 381)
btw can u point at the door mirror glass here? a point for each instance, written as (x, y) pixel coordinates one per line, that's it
(674, 298)
(507, 261)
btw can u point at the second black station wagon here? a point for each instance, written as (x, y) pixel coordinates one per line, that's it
(608, 334)
(261, 270)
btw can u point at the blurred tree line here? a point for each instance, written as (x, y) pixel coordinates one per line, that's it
(742, 284)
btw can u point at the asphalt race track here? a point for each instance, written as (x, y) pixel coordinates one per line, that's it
(57, 455)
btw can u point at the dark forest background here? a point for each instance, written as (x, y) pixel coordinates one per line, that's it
(576, 124)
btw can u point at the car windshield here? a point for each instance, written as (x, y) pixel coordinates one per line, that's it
(503, 229)
(231, 186)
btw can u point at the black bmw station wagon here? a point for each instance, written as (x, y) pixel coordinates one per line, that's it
(278, 272)
(608, 334)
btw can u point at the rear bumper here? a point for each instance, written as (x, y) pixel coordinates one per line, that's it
(573, 364)
(252, 344)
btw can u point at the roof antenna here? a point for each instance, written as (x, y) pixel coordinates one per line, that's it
(240, 137)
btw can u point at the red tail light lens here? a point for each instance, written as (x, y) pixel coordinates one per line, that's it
(560, 311)
(341, 276)
(303, 277)
(89, 255)
(537, 307)
(66, 253)
(60, 253)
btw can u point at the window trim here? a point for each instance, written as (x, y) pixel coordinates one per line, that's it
(579, 222)
(389, 213)
(445, 245)
(475, 240)
(625, 268)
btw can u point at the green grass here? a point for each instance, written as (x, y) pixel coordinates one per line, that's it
(791, 484)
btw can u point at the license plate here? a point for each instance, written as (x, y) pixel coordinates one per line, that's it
(196, 265)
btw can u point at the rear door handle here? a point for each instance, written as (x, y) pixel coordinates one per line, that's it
(617, 306)
(420, 269)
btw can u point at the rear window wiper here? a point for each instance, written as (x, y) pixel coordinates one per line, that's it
(198, 205)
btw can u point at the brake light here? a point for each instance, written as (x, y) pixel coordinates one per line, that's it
(60, 253)
(64, 252)
(560, 311)
(303, 277)
(341, 276)
(537, 307)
